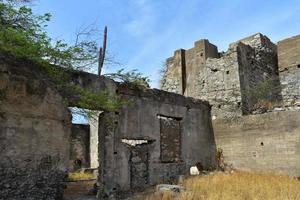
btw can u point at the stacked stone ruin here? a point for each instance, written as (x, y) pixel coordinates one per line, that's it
(146, 142)
(231, 80)
(254, 90)
(158, 135)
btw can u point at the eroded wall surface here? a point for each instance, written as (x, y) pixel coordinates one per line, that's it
(195, 65)
(174, 77)
(289, 66)
(94, 83)
(35, 127)
(171, 133)
(228, 80)
(218, 83)
(79, 147)
(258, 71)
(267, 142)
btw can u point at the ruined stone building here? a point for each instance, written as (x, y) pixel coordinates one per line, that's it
(235, 81)
(289, 68)
(252, 74)
(158, 135)
(154, 138)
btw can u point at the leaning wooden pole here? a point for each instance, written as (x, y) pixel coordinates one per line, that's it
(102, 51)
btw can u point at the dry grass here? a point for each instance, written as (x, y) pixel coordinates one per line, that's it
(268, 105)
(239, 185)
(77, 176)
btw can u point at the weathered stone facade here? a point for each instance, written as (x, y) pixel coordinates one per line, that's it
(35, 127)
(289, 67)
(154, 138)
(136, 153)
(158, 135)
(230, 80)
(253, 71)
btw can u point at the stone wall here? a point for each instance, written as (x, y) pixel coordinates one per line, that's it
(258, 70)
(79, 147)
(230, 80)
(195, 64)
(218, 83)
(94, 125)
(175, 73)
(96, 84)
(35, 127)
(134, 150)
(289, 66)
(265, 142)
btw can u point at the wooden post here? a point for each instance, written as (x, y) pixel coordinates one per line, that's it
(102, 51)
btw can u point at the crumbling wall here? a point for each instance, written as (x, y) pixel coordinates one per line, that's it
(218, 83)
(94, 140)
(259, 78)
(143, 124)
(266, 142)
(94, 83)
(195, 64)
(289, 67)
(174, 76)
(229, 81)
(79, 147)
(35, 127)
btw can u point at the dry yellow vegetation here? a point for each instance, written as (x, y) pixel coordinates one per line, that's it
(77, 176)
(237, 186)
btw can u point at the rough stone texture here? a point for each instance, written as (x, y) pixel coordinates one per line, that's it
(35, 127)
(289, 66)
(121, 164)
(258, 71)
(218, 83)
(79, 147)
(195, 63)
(96, 84)
(139, 163)
(94, 123)
(265, 142)
(175, 73)
(170, 139)
(162, 188)
(228, 80)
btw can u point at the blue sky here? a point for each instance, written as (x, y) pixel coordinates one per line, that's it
(143, 33)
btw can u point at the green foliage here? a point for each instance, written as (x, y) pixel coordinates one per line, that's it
(132, 77)
(162, 74)
(23, 34)
(104, 100)
(264, 94)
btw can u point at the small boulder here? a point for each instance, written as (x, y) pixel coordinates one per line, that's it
(161, 188)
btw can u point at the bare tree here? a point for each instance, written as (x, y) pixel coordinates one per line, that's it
(102, 52)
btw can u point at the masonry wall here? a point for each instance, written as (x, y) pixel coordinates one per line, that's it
(265, 142)
(289, 67)
(174, 80)
(95, 84)
(35, 127)
(79, 147)
(195, 64)
(218, 83)
(151, 116)
(258, 70)
(230, 81)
